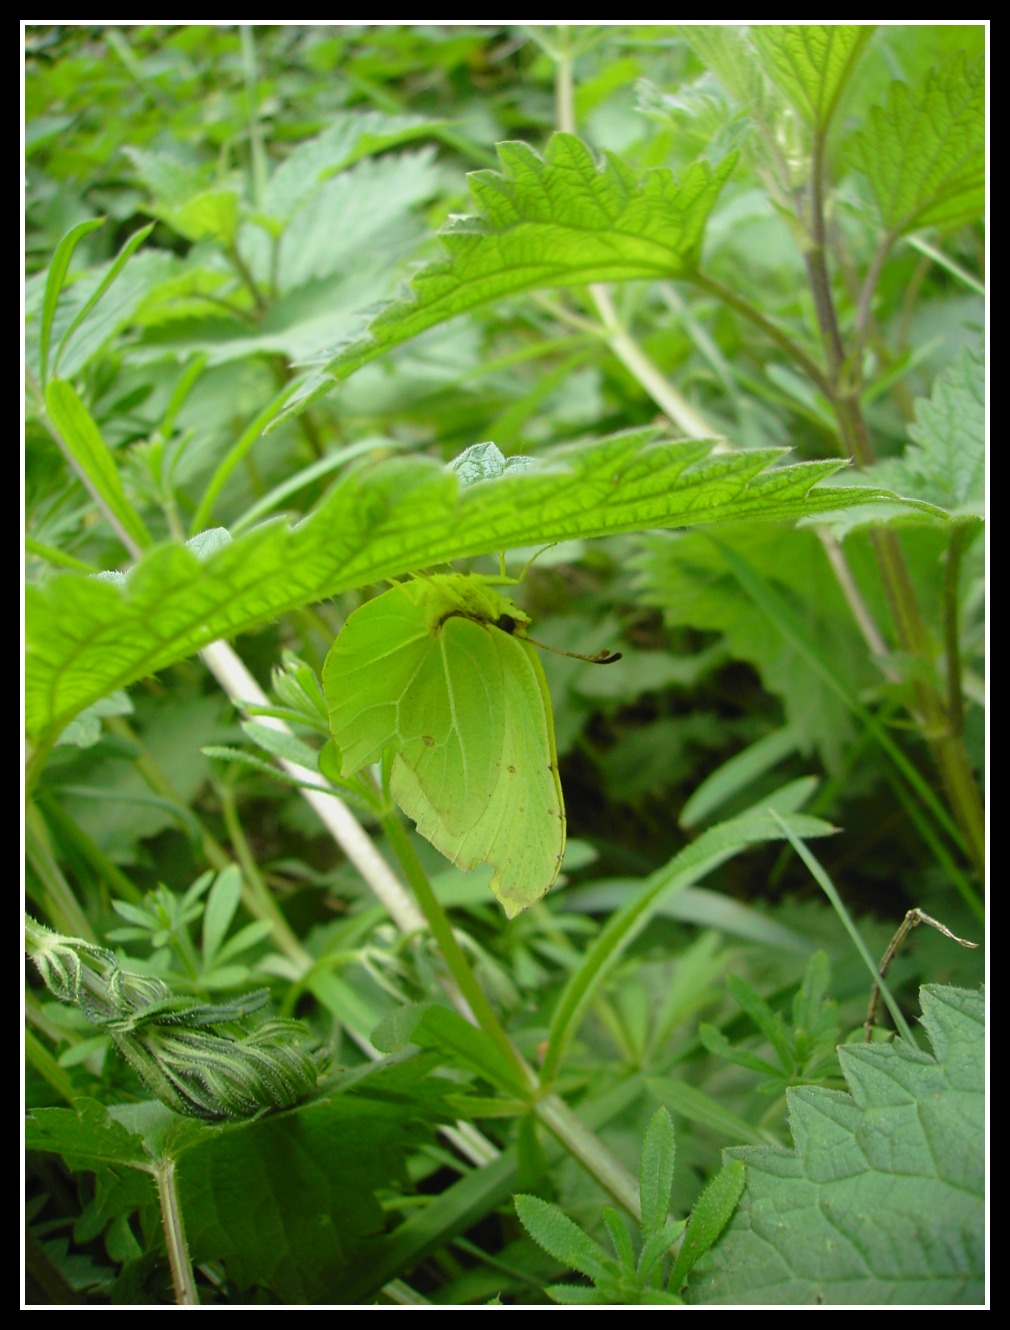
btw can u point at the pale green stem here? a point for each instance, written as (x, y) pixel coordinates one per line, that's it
(257, 150)
(591, 1153)
(334, 814)
(689, 421)
(830, 890)
(872, 635)
(61, 904)
(175, 1234)
(622, 344)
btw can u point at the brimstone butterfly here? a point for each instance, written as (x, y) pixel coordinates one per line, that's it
(439, 669)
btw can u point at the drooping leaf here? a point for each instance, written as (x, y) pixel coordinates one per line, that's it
(89, 635)
(882, 1199)
(86, 1136)
(439, 670)
(924, 151)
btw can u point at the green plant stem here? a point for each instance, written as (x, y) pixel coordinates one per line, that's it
(587, 1148)
(110, 874)
(257, 896)
(580, 1142)
(58, 558)
(59, 901)
(692, 423)
(175, 1234)
(333, 813)
(480, 1010)
(843, 390)
(256, 148)
(960, 539)
(829, 889)
(39, 1057)
(248, 279)
(621, 343)
(771, 329)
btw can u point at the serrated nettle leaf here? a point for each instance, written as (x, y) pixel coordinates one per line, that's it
(812, 63)
(882, 1199)
(86, 1136)
(89, 635)
(924, 151)
(350, 136)
(564, 219)
(946, 463)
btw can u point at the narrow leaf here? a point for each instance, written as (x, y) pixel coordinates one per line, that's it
(54, 285)
(711, 1214)
(551, 1229)
(222, 902)
(91, 458)
(115, 268)
(659, 1155)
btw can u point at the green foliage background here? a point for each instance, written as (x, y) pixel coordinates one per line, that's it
(715, 294)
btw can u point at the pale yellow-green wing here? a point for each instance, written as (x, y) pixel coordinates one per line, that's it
(425, 669)
(485, 788)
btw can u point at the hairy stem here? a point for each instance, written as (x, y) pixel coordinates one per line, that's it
(175, 1234)
(843, 390)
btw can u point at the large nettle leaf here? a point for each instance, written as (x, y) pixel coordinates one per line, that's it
(87, 636)
(882, 1200)
(924, 151)
(946, 463)
(284, 1201)
(811, 63)
(563, 219)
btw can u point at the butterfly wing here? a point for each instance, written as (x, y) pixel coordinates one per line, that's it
(486, 789)
(423, 669)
